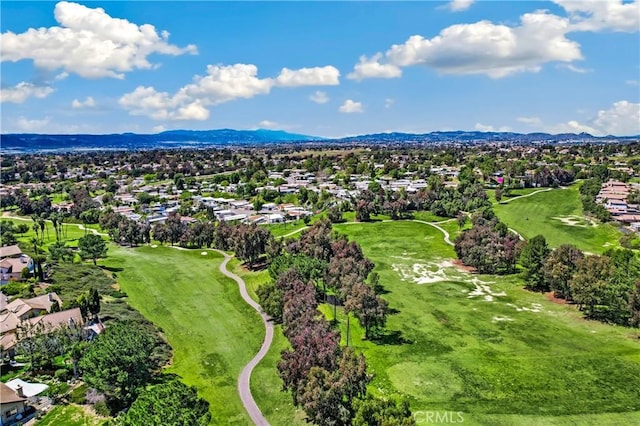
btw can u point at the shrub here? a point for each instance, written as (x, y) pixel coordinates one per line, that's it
(13, 288)
(61, 374)
(102, 409)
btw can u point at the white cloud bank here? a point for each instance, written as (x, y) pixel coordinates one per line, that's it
(349, 107)
(602, 15)
(23, 91)
(89, 43)
(223, 83)
(621, 119)
(499, 50)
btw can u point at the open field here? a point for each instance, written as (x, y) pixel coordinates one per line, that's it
(72, 232)
(212, 331)
(483, 346)
(557, 214)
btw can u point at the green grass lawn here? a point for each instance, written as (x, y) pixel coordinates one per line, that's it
(281, 229)
(491, 350)
(71, 232)
(69, 415)
(558, 215)
(212, 331)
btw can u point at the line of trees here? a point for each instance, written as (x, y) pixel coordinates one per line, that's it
(605, 287)
(328, 381)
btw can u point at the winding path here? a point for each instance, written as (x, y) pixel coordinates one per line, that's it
(441, 229)
(525, 195)
(244, 381)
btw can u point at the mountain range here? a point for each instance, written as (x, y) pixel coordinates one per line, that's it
(24, 143)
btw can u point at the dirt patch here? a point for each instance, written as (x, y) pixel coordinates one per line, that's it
(552, 298)
(462, 267)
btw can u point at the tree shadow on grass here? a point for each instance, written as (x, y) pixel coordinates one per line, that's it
(111, 268)
(390, 337)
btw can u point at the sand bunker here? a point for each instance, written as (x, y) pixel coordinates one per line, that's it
(154, 246)
(483, 289)
(574, 220)
(204, 253)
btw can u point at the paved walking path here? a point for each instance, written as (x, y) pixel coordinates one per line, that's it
(526, 195)
(441, 229)
(244, 381)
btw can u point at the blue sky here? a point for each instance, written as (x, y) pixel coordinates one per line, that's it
(321, 68)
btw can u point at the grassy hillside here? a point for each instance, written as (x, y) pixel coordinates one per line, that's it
(212, 331)
(483, 346)
(558, 215)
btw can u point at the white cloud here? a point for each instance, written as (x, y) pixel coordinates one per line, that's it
(87, 103)
(158, 129)
(89, 43)
(575, 69)
(23, 124)
(268, 124)
(489, 128)
(530, 121)
(22, 91)
(319, 97)
(483, 47)
(223, 83)
(621, 119)
(460, 5)
(317, 76)
(601, 15)
(388, 103)
(349, 106)
(572, 126)
(632, 83)
(372, 68)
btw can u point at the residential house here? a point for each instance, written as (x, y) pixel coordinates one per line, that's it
(12, 262)
(12, 405)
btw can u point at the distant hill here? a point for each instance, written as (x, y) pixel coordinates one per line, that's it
(14, 143)
(485, 137)
(133, 141)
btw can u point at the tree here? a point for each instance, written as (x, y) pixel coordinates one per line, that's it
(588, 286)
(371, 411)
(335, 215)
(271, 300)
(119, 362)
(370, 309)
(171, 403)
(634, 306)
(533, 256)
(93, 302)
(461, 219)
(92, 247)
(560, 267)
(328, 395)
(499, 194)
